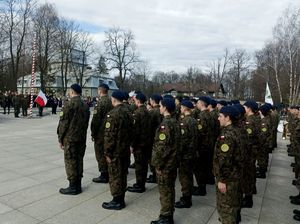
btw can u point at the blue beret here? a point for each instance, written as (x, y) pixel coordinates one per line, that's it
(213, 103)
(169, 104)
(141, 97)
(235, 101)
(76, 88)
(264, 109)
(240, 108)
(103, 85)
(229, 111)
(168, 96)
(126, 95)
(119, 95)
(251, 104)
(205, 99)
(156, 98)
(187, 104)
(222, 102)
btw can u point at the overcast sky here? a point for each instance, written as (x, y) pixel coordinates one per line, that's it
(177, 34)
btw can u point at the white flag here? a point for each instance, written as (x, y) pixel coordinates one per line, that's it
(268, 97)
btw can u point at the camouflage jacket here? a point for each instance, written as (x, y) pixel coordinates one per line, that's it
(155, 120)
(215, 125)
(16, 100)
(252, 126)
(204, 126)
(73, 122)
(189, 137)
(297, 134)
(118, 132)
(167, 145)
(97, 125)
(227, 162)
(141, 128)
(195, 113)
(266, 132)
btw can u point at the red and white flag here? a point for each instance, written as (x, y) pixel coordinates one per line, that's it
(41, 99)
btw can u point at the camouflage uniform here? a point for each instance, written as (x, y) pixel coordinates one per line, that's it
(17, 103)
(265, 143)
(25, 104)
(97, 130)
(140, 143)
(189, 134)
(167, 145)
(274, 120)
(203, 161)
(227, 168)
(117, 139)
(251, 126)
(195, 113)
(72, 129)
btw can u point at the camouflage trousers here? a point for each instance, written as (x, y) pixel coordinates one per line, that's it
(248, 181)
(101, 160)
(16, 110)
(166, 187)
(202, 167)
(141, 165)
(297, 159)
(229, 203)
(263, 158)
(73, 155)
(117, 171)
(186, 177)
(274, 138)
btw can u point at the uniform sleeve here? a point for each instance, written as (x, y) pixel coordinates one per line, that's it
(64, 122)
(110, 135)
(137, 120)
(95, 124)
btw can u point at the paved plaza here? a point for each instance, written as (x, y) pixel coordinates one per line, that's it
(32, 171)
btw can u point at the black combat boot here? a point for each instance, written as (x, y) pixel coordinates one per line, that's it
(238, 217)
(296, 212)
(293, 165)
(295, 197)
(247, 201)
(261, 174)
(151, 178)
(184, 202)
(117, 203)
(295, 201)
(137, 188)
(132, 166)
(294, 182)
(71, 190)
(163, 220)
(78, 186)
(103, 178)
(199, 191)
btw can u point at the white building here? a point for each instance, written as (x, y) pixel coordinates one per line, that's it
(91, 81)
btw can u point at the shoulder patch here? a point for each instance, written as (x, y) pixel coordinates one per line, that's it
(95, 111)
(249, 130)
(224, 148)
(107, 125)
(61, 114)
(182, 131)
(199, 126)
(264, 129)
(162, 137)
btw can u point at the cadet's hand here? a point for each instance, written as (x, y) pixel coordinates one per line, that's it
(222, 187)
(61, 146)
(108, 160)
(158, 172)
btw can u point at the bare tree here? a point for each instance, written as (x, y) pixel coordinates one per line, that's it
(120, 52)
(16, 17)
(46, 24)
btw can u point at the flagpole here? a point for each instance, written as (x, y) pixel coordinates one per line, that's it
(32, 75)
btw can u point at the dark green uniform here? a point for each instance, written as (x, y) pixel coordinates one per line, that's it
(204, 153)
(17, 104)
(189, 139)
(167, 145)
(227, 169)
(265, 143)
(97, 130)
(72, 129)
(141, 143)
(117, 139)
(252, 127)
(25, 104)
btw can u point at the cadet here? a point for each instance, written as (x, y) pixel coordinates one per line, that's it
(97, 130)
(202, 162)
(140, 144)
(72, 129)
(227, 167)
(265, 141)
(252, 125)
(25, 104)
(166, 148)
(156, 119)
(189, 140)
(178, 100)
(117, 139)
(17, 103)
